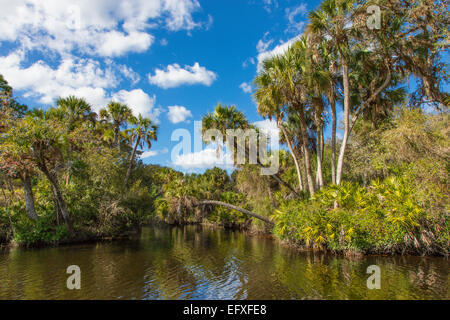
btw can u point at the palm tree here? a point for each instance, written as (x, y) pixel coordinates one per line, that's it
(44, 142)
(119, 114)
(75, 110)
(270, 103)
(335, 21)
(331, 21)
(285, 75)
(228, 117)
(144, 132)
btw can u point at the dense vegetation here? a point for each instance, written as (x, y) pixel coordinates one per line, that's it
(69, 173)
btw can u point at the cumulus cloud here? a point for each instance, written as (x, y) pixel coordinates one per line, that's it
(116, 43)
(153, 153)
(139, 101)
(178, 114)
(204, 159)
(174, 76)
(100, 27)
(247, 88)
(74, 76)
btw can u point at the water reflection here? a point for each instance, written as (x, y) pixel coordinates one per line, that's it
(194, 262)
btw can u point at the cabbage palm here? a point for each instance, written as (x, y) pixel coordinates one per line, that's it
(332, 21)
(285, 74)
(143, 133)
(228, 117)
(270, 103)
(75, 110)
(117, 113)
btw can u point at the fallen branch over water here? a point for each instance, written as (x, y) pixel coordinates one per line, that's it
(230, 206)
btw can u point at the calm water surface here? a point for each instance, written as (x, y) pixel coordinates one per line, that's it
(195, 262)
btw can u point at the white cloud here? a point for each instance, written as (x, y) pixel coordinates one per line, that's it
(153, 153)
(139, 102)
(175, 76)
(116, 43)
(204, 159)
(99, 27)
(129, 73)
(269, 5)
(292, 13)
(178, 114)
(280, 49)
(247, 88)
(248, 61)
(73, 76)
(264, 43)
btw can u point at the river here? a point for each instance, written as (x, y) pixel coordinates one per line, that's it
(195, 262)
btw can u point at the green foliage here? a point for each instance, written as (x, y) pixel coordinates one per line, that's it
(385, 217)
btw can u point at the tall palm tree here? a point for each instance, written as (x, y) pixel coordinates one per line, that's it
(331, 21)
(325, 60)
(143, 133)
(270, 103)
(118, 113)
(285, 74)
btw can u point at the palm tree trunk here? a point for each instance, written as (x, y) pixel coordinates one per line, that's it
(304, 132)
(230, 206)
(133, 154)
(333, 140)
(294, 156)
(319, 157)
(116, 137)
(340, 164)
(29, 198)
(60, 202)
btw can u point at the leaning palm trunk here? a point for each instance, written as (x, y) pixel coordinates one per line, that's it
(230, 206)
(130, 165)
(307, 152)
(29, 198)
(60, 202)
(294, 156)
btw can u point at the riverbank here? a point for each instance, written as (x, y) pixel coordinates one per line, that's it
(248, 229)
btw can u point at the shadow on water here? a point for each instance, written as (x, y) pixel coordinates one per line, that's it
(195, 262)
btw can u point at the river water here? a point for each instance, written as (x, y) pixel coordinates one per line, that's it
(194, 262)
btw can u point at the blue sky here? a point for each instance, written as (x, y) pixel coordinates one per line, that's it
(172, 60)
